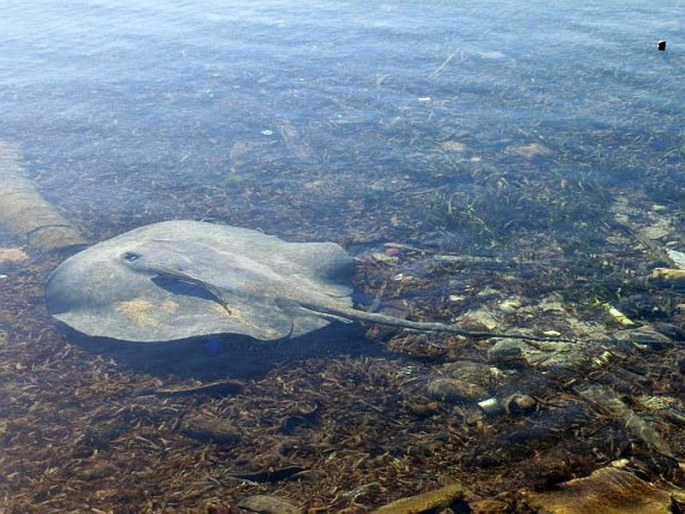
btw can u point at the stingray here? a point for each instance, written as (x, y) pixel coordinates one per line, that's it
(182, 279)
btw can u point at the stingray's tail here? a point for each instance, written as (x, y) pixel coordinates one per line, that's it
(428, 326)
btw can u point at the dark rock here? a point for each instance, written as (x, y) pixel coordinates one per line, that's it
(454, 390)
(507, 355)
(520, 405)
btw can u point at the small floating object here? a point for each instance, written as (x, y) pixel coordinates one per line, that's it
(661, 45)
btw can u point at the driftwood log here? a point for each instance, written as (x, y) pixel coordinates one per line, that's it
(24, 212)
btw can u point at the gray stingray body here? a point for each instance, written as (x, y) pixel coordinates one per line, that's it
(181, 279)
(104, 291)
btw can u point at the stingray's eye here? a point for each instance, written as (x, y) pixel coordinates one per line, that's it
(131, 256)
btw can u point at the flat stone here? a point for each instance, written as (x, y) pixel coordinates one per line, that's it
(263, 504)
(426, 502)
(209, 429)
(606, 490)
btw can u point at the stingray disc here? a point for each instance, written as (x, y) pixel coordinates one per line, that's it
(181, 279)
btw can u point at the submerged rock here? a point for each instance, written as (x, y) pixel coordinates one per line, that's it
(209, 429)
(425, 502)
(543, 354)
(520, 404)
(646, 337)
(263, 504)
(515, 405)
(454, 390)
(507, 354)
(606, 490)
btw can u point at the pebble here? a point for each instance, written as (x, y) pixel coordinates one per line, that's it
(479, 320)
(510, 305)
(507, 354)
(657, 231)
(677, 257)
(454, 390)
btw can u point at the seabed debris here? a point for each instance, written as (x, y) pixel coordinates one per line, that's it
(352, 425)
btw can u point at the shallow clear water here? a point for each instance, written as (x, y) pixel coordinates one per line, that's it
(522, 160)
(120, 107)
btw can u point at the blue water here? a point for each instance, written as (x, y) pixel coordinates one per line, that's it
(547, 130)
(131, 109)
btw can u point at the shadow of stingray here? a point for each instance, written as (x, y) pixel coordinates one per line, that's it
(228, 356)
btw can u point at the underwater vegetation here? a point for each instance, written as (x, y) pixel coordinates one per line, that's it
(492, 182)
